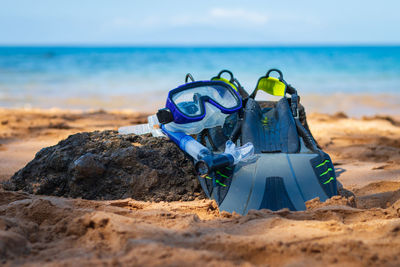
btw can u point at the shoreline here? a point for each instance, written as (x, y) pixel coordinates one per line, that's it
(352, 104)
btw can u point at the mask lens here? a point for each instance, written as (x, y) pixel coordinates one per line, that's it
(188, 101)
(189, 108)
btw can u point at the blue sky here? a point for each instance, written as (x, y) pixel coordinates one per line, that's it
(206, 22)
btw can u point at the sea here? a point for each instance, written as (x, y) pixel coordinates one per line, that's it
(139, 78)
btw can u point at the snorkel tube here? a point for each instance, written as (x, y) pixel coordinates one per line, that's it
(191, 108)
(206, 161)
(212, 102)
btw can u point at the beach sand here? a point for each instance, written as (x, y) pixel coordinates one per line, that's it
(46, 230)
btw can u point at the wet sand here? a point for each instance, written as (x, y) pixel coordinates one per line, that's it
(43, 230)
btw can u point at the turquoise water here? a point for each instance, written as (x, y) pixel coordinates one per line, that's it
(49, 76)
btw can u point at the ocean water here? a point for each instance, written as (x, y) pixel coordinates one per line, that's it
(140, 77)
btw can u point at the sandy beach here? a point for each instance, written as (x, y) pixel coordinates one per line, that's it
(38, 230)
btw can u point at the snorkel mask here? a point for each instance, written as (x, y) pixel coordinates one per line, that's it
(191, 108)
(195, 106)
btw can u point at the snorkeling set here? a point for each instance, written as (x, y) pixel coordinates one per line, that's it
(248, 154)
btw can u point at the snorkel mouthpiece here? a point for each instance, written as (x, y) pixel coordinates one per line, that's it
(210, 163)
(164, 115)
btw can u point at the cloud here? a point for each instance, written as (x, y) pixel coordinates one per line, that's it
(220, 16)
(238, 14)
(124, 23)
(212, 17)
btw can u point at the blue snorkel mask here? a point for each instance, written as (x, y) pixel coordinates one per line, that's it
(190, 102)
(191, 108)
(195, 106)
(199, 105)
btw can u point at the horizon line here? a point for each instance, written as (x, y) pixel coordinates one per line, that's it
(165, 45)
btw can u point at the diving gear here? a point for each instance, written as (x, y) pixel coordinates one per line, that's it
(271, 85)
(195, 106)
(209, 164)
(191, 108)
(213, 118)
(153, 127)
(206, 104)
(187, 102)
(232, 82)
(289, 168)
(206, 161)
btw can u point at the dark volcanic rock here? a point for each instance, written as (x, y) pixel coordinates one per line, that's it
(106, 165)
(88, 166)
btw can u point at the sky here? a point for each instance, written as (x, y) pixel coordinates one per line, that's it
(206, 22)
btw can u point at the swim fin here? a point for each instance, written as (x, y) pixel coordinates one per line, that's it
(288, 169)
